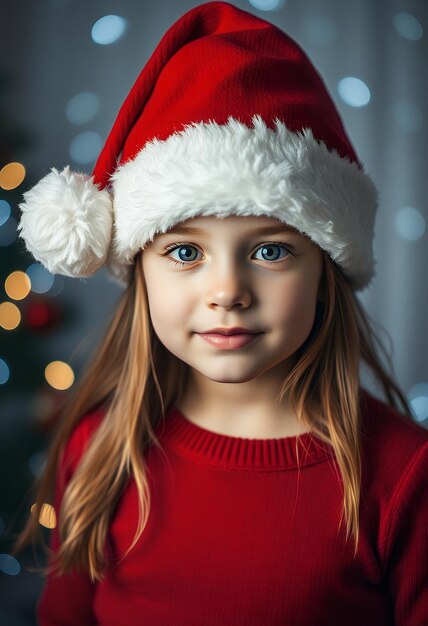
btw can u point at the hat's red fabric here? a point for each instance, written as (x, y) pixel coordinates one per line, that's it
(214, 62)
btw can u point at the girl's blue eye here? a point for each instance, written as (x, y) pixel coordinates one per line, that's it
(268, 249)
(270, 252)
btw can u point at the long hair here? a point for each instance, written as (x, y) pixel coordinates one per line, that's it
(137, 381)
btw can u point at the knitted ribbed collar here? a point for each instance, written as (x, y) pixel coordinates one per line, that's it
(203, 445)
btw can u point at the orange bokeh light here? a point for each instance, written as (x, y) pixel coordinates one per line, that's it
(17, 285)
(10, 315)
(12, 175)
(59, 375)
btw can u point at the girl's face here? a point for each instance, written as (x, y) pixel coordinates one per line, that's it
(235, 271)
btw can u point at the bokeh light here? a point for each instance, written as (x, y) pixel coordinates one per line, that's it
(4, 372)
(82, 107)
(9, 565)
(85, 147)
(320, 29)
(10, 315)
(108, 29)
(267, 5)
(420, 408)
(408, 115)
(4, 211)
(353, 91)
(418, 398)
(41, 314)
(408, 26)
(59, 375)
(12, 175)
(41, 279)
(17, 285)
(8, 232)
(410, 223)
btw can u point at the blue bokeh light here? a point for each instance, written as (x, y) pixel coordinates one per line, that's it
(4, 211)
(85, 147)
(408, 26)
(354, 91)
(41, 279)
(267, 5)
(82, 107)
(410, 223)
(420, 408)
(8, 232)
(9, 565)
(4, 372)
(418, 398)
(108, 29)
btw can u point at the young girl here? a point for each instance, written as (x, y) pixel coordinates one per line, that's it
(219, 463)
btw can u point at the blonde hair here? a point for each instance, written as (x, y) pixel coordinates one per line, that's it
(124, 378)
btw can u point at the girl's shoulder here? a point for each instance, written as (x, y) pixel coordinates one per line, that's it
(395, 470)
(382, 420)
(392, 443)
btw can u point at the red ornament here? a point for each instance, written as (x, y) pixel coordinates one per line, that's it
(42, 314)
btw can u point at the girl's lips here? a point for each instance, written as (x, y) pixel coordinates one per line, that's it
(229, 342)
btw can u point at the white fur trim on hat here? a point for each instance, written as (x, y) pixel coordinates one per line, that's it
(66, 223)
(221, 170)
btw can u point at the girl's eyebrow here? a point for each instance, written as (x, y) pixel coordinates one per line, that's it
(267, 230)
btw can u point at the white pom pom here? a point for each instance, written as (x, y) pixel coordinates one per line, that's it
(66, 223)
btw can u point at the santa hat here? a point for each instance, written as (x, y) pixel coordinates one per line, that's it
(228, 117)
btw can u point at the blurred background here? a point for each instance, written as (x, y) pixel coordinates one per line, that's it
(65, 69)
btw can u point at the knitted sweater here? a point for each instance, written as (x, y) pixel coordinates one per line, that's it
(239, 535)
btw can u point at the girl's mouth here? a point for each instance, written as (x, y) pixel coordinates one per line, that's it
(229, 342)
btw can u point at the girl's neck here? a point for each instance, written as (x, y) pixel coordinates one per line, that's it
(256, 421)
(242, 409)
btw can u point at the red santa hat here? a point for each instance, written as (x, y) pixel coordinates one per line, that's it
(228, 117)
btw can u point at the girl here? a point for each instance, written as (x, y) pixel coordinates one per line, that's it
(219, 462)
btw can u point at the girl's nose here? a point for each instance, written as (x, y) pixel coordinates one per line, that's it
(228, 286)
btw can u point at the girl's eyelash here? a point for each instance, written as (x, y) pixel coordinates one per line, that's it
(174, 246)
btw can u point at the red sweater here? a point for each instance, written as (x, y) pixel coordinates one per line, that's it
(237, 535)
